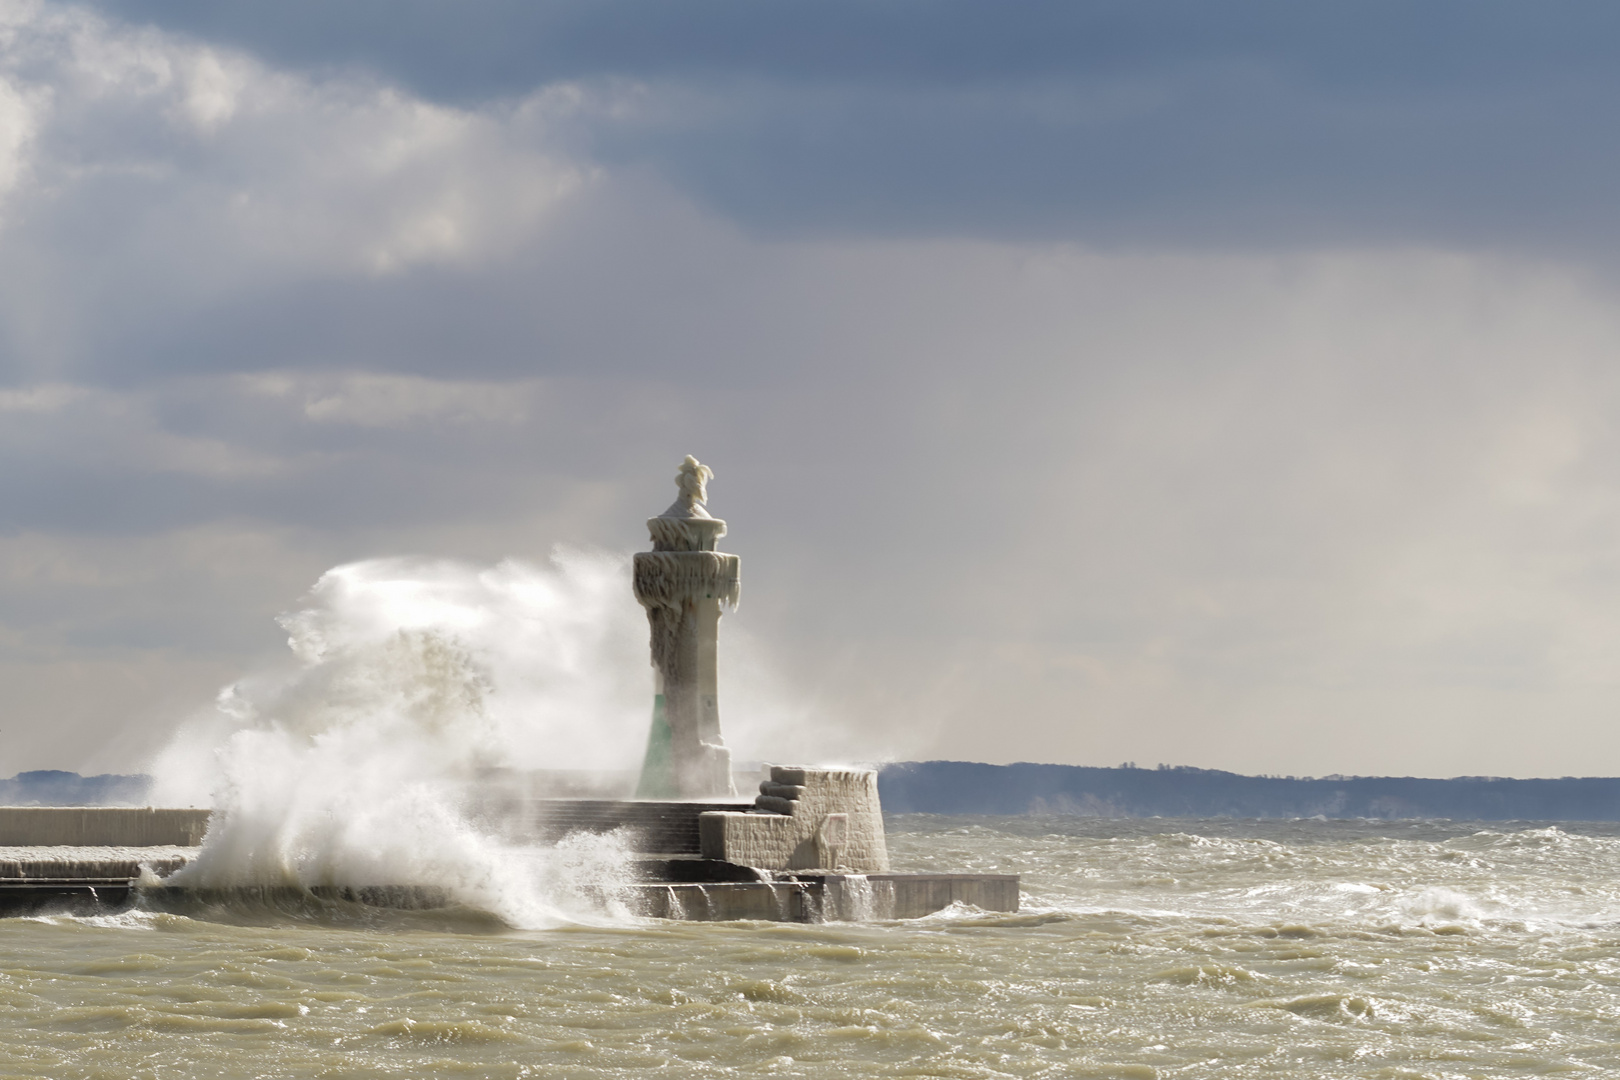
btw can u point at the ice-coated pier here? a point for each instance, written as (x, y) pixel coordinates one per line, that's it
(102, 871)
(809, 846)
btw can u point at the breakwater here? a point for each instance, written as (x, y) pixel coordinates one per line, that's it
(88, 860)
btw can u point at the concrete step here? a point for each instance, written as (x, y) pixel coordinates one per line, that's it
(661, 828)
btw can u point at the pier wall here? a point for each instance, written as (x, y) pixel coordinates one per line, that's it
(101, 826)
(819, 897)
(653, 827)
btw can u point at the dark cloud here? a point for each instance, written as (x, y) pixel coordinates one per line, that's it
(1253, 124)
(475, 49)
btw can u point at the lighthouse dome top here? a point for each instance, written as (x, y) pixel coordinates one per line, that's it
(693, 482)
(687, 525)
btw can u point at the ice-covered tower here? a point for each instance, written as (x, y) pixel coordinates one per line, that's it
(682, 582)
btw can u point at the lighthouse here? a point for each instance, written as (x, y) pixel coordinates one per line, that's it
(683, 582)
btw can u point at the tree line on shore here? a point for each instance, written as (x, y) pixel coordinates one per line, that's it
(967, 787)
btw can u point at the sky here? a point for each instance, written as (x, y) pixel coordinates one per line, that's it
(1132, 380)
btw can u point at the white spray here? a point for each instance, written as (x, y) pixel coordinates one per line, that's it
(411, 677)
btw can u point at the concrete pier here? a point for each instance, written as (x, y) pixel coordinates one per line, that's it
(803, 819)
(676, 884)
(827, 897)
(88, 887)
(79, 880)
(101, 826)
(654, 828)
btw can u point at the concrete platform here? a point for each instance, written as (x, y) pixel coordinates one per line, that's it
(727, 902)
(79, 880)
(258, 899)
(656, 828)
(859, 897)
(97, 880)
(85, 860)
(827, 897)
(101, 826)
(834, 898)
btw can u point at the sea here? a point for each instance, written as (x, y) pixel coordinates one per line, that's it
(1149, 948)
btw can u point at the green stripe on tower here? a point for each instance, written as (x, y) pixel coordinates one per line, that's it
(657, 768)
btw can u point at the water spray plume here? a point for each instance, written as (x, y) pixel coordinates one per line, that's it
(412, 678)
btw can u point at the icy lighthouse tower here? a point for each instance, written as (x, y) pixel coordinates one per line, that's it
(682, 582)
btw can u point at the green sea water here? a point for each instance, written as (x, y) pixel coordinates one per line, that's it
(1161, 948)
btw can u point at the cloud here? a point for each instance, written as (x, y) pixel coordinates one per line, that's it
(387, 401)
(1274, 504)
(1276, 514)
(18, 120)
(1256, 124)
(155, 180)
(44, 398)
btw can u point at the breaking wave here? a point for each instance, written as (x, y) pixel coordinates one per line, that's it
(411, 682)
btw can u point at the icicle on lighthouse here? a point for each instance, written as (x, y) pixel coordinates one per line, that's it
(682, 582)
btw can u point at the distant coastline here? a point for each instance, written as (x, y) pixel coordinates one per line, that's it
(966, 787)
(971, 787)
(53, 787)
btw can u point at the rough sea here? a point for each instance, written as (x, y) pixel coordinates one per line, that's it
(1145, 949)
